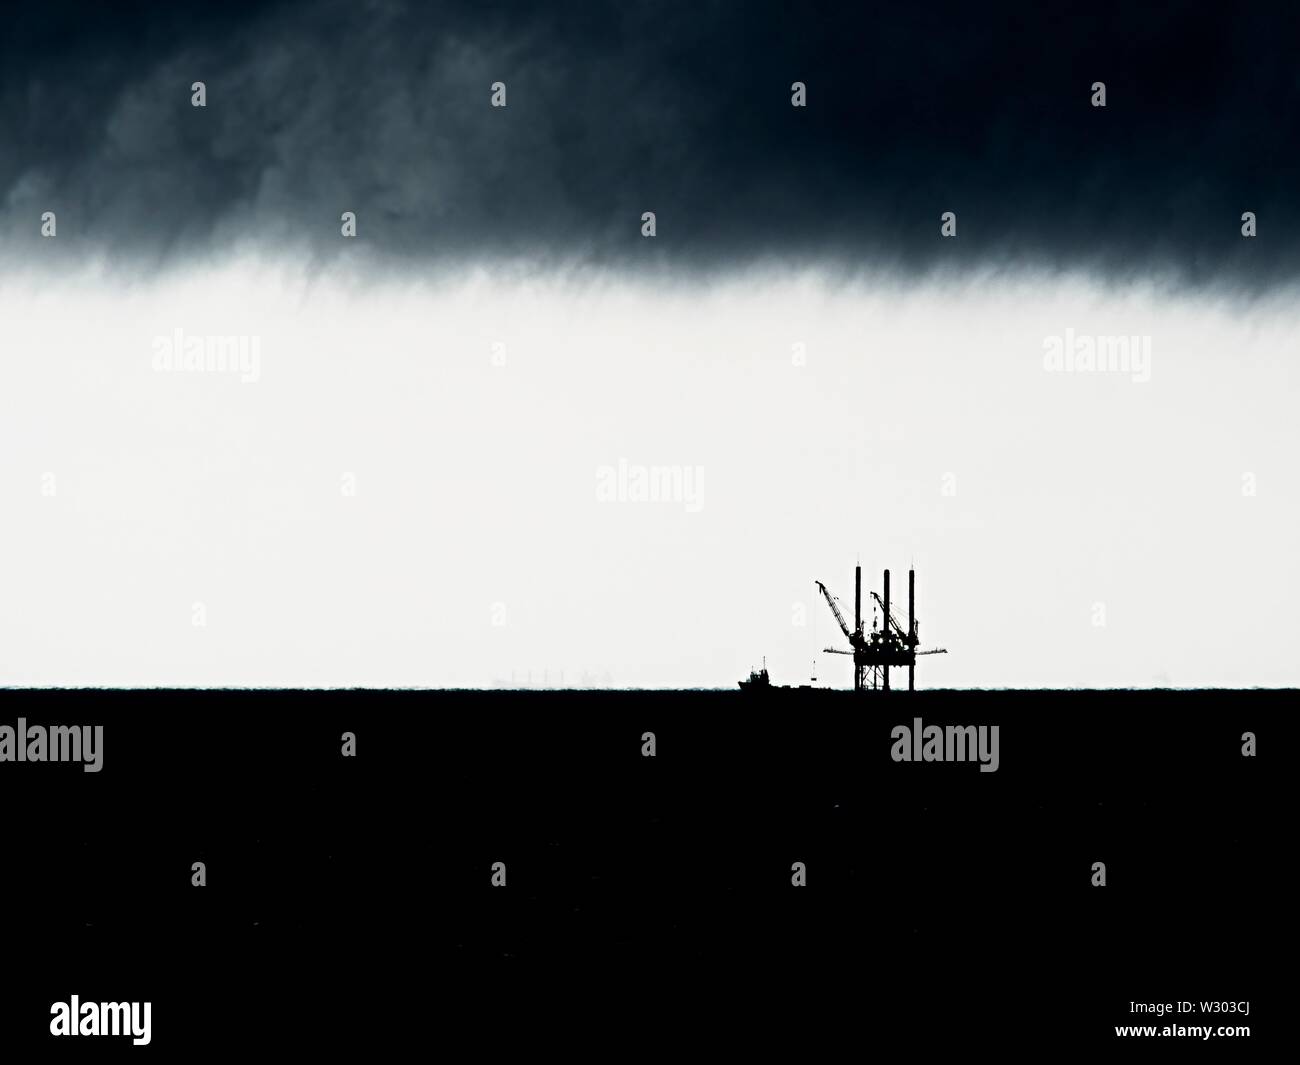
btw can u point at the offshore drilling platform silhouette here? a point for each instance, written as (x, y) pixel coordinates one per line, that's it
(888, 644)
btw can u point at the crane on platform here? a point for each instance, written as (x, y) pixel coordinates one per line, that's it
(888, 645)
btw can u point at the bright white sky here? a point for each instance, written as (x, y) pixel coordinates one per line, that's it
(476, 484)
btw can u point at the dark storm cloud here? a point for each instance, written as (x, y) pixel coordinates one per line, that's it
(679, 108)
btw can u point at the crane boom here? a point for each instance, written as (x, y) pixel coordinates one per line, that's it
(830, 599)
(892, 620)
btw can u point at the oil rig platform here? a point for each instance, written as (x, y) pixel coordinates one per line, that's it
(888, 644)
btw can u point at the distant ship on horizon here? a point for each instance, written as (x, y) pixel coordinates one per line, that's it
(760, 681)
